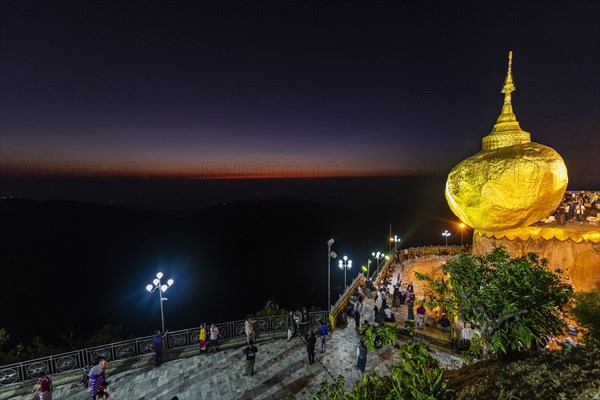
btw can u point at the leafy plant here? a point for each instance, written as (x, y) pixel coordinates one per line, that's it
(515, 301)
(476, 346)
(377, 336)
(415, 376)
(585, 308)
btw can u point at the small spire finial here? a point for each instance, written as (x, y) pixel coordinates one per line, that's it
(509, 85)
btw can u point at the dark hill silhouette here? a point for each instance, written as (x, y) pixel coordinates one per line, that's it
(81, 265)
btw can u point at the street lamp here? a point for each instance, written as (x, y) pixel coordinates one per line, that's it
(345, 265)
(462, 230)
(446, 234)
(157, 284)
(330, 255)
(377, 256)
(396, 240)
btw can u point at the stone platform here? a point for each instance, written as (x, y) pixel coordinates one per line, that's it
(281, 367)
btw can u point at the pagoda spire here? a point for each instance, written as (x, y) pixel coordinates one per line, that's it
(507, 131)
(507, 113)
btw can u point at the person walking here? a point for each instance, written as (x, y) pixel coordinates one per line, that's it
(410, 309)
(158, 346)
(311, 341)
(202, 338)
(96, 378)
(249, 328)
(377, 306)
(322, 334)
(396, 295)
(579, 211)
(361, 356)
(421, 311)
(291, 326)
(357, 310)
(213, 340)
(250, 352)
(305, 321)
(45, 388)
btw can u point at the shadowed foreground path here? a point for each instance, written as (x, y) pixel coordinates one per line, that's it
(281, 368)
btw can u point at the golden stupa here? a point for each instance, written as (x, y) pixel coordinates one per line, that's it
(512, 182)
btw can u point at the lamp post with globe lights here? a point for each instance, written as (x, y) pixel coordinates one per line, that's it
(377, 256)
(162, 288)
(396, 240)
(330, 255)
(345, 265)
(446, 234)
(462, 230)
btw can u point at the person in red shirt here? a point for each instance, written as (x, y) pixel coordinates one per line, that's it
(45, 389)
(421, 311)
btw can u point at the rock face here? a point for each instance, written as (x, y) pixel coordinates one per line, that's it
(580, 261)
(507, 187)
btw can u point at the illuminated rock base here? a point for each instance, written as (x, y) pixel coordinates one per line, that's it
(575, 250)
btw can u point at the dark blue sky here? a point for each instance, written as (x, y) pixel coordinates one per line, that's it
(105, 101)
(288, 89)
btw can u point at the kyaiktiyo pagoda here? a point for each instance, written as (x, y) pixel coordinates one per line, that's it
(506, 189)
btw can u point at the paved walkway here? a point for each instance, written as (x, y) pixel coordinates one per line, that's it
(281, 368)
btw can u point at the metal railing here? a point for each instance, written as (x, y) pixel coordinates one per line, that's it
(342, 302)
(381, 270)
(139, 347)
(414, 253)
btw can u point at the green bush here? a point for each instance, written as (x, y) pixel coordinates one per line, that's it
(585, 308)
(415, 376)
(515, 301)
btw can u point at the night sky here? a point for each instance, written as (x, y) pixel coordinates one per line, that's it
(286, 89)
(179, 105)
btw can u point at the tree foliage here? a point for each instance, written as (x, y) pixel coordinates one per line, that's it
(20, 352)
(415, 376)
(514, 301)
(4, 337)
(108, 334)
(37, 348)
(377, 336)
(585, 308)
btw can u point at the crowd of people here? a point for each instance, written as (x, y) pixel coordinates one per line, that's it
(390, 295)
(579, 207)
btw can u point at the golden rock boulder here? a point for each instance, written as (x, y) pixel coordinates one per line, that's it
(512, 182)
(508, 187)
